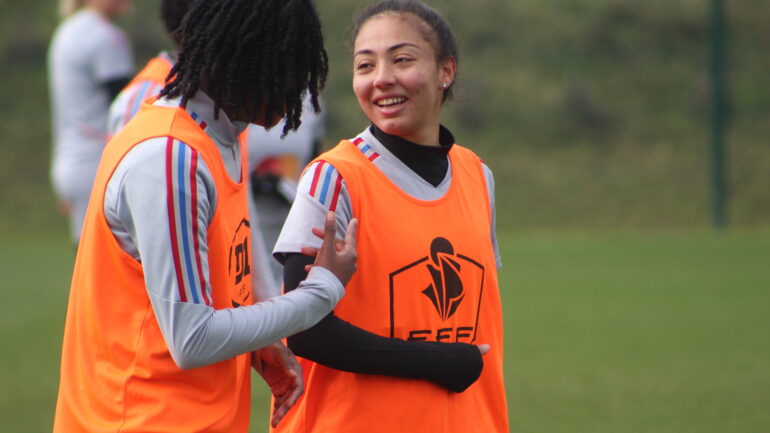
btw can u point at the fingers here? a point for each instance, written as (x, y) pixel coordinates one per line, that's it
(483, 348)
(318, 232)
(330, 231)
(336, 255)
(339, 244)
(279, 405)
(309, 251)
(296, 391)
(287, 398)
(278, 413)
(330, 228)
(350, 235)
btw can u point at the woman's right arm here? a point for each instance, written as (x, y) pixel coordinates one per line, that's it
(196, 333)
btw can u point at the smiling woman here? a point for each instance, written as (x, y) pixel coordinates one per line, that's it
(399, 78)
(416, 343)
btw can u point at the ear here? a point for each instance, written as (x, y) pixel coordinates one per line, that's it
(446, 70)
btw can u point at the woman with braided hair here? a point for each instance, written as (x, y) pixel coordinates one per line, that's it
(162, 329)
(149, 82)
(416, 345)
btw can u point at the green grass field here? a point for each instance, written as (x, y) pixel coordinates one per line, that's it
(653, 332)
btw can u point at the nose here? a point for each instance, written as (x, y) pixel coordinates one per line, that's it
(384, 77)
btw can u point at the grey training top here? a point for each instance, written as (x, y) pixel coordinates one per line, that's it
(136, 209)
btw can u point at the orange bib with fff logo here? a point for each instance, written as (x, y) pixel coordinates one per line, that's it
(426, 271)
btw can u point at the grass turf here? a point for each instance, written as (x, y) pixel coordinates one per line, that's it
(653, 332)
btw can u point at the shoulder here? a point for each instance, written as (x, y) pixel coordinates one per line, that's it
(487, 171)
(160, 150)
(347, 155)
(474, 159)
(323, 182)
(162, 164)
(150, 151)
(489, 178)
(338, 160)
(464, 152)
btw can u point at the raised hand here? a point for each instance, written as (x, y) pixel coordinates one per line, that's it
(336, 255)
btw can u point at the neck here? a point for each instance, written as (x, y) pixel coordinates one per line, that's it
(426, 136)
(429, 162)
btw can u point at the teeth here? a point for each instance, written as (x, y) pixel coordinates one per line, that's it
(390, 101)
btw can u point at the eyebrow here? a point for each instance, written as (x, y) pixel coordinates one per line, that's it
(393, 48)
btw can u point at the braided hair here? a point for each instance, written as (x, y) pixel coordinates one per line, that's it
(258, 57)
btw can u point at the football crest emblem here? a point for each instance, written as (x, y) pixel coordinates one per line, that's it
(438, 296)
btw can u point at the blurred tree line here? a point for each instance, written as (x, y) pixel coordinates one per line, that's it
(592, 113)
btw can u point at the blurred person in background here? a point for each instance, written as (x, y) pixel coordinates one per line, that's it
(89, 62)
(402, 352)
(275, 163)
(162, 330)
(152, 78)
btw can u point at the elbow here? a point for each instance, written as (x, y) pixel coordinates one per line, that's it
(188, 354)
(185, 361)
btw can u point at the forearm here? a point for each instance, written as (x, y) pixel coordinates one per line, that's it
(338, 344)
(212, 335)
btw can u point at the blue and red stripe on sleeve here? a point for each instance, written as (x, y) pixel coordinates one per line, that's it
(326, 185)
(182, 201)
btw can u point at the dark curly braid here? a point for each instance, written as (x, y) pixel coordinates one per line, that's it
(253, 56)
(171, 13)
(437, 30)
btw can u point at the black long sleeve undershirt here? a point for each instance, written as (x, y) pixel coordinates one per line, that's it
(429, 162)
(338, 344)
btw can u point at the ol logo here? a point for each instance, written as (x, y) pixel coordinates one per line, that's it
(437, 297)
(239, 264)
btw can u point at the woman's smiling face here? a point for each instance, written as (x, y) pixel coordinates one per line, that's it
(397, 79)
